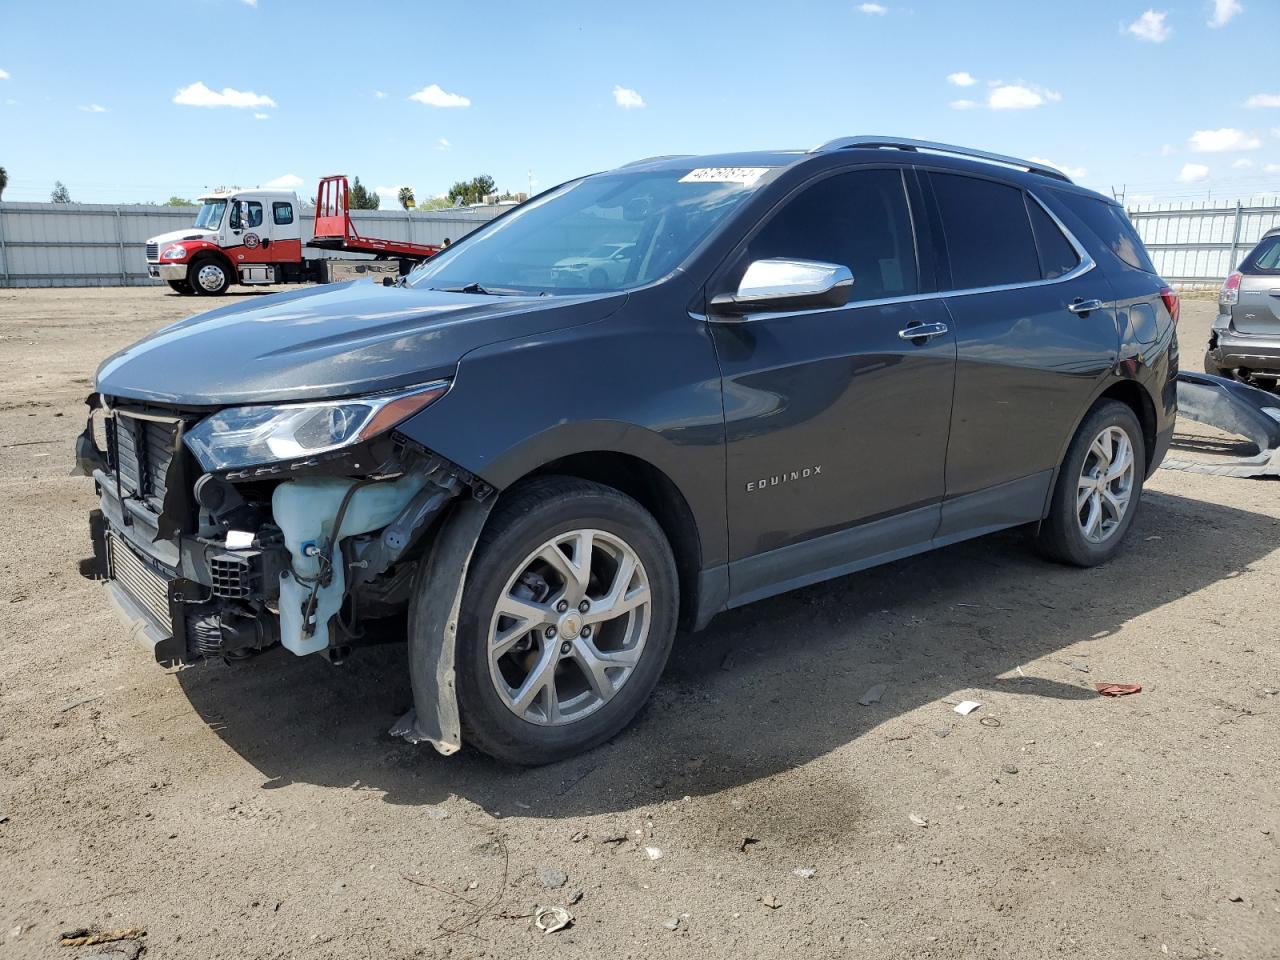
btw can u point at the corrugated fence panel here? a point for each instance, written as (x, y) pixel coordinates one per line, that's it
(1200, 243)
(86, 244)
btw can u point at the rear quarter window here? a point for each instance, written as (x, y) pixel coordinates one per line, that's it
(1112, 227)
(1265, 257)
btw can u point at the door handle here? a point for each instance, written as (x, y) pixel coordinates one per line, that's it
(1082, 308)
(922, 332)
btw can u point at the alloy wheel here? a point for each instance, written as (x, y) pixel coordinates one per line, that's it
(1106, 484)
(569, 627)
(211, 277)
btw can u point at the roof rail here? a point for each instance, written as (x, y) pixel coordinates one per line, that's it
(903, 143)
(664, 156)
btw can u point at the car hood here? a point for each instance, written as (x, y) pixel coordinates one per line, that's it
(190, 233)
(336, 340)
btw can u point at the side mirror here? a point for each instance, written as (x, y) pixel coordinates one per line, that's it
(779, 284)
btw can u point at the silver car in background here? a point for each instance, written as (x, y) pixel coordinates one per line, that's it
(1245, 342)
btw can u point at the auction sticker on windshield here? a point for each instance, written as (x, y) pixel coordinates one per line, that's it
(747, 176)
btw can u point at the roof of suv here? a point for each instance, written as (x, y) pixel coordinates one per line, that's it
(908, 153)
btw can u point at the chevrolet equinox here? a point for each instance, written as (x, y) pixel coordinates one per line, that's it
(795, 366)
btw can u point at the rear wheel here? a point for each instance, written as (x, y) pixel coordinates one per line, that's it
(181, 286)
(1098, 488)
(567, 620)
(208, 277)
(1211, 364)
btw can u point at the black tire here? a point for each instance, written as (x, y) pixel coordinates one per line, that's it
(598, 279)
(1211, 365)
(528, 516)
(182, 287)
(1060, 536)
(206, 263)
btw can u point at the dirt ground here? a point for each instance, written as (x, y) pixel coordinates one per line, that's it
(263, 811)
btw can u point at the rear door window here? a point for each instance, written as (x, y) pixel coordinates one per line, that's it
(859, 220)
(1265, 257)
(1057, 255)
(987, 230)
(282, 213)
(1113, 228)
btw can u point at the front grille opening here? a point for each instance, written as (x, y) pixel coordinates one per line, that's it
(141, 450)
(153, 251)
(232, 576)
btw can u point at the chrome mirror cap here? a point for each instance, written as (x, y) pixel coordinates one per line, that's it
(782, 284)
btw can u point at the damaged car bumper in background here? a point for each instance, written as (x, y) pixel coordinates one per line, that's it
(209, 550)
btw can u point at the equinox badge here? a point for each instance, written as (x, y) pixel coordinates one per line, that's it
(781, 478)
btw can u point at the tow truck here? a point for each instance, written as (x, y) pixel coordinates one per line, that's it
(261, 237)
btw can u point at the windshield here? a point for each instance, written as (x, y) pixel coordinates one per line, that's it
(210, 214)
(605, 233)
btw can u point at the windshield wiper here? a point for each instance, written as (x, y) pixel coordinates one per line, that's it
(484, 291)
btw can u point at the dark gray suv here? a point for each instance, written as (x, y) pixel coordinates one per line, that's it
(1245, 342)
(801, 364)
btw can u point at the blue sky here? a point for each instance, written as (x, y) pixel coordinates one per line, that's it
(1151, 98)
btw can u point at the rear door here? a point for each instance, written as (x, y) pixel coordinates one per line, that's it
(1027, 364)
(834, 420)
(1257, 312)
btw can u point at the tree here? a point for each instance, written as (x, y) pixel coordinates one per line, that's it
(178, 202)
(60, 193)
(359, 198)
(4, 180)
(435, 203)
(471, 191)
(405, 196)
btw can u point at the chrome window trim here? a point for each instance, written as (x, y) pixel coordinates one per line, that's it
(1086, 264)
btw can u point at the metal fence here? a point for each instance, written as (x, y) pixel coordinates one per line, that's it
(92, 245)
(1194, 244)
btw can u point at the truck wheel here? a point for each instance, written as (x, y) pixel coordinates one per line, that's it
(182, 287)
(208, 277)
(1098, 488)
(566, 623)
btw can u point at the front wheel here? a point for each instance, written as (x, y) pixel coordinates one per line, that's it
(1098, 488)
(181, 286)
(208, 277)
(567, 619)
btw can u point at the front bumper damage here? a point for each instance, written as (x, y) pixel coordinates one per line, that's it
(303, 566)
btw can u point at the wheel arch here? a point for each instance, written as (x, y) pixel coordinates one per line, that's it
(1134, 395)
(216, 254)
(649, 486)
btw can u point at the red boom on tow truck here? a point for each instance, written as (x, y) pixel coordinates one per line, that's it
(260, 238)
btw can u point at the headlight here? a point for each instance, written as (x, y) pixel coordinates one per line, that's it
(248, 436)
(176, 252)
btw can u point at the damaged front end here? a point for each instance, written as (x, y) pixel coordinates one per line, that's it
(220, 533)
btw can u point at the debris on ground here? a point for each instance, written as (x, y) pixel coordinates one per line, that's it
(551, 919)
(653, 853)
(575, 897)
(84, 937)
(578, 837)
(671, 923)
(552, 877)
(942, 731)
(1080, 665)
(918, 820)
(79, 703)
(966, 707)
(1117, 689)
(1010, 769)
(805, 873)
(772, 902)
(872, 696)
(990, 721)
(746, 844)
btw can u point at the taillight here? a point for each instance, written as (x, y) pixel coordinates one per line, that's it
(1230, 292)
(1172, 303)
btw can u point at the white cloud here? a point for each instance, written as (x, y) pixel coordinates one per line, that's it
(1168, 149)
(290, 181)
(963, 104)
(380, 94)
(1075, 173)
(433, 96)
(1222, 141)
(1263, 100)
(11, 102)
(262, 116)
(1272, 168)
(93, 108)
(627, 98)
(443, 144)
(1151, 27)
(1244, 163)
(961, 79)
(1223, 11)
(874, 9)
(198, 95)
(1012, 96)
(4, 74)
(250, 3)
(1193, 173)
